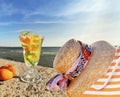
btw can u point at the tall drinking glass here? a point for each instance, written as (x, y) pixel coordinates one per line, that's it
(31, 44)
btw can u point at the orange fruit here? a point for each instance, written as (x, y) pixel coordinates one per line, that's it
(5, 74)
(25, 39)
(10, 68)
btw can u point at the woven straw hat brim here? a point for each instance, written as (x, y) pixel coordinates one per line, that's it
(102, 55)
(67, 55)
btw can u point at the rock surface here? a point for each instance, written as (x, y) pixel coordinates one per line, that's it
(16, 88)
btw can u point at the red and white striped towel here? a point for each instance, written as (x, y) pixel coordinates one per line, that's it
(109, 84)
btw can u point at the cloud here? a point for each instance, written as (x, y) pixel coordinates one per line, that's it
(4, 23)
(54, 22)
(86, 20)
(84, 6)
(7, 9)
(74, 12)
(35, 22)
(90, 11)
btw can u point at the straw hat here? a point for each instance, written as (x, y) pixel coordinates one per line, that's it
(67, 55)
(101, 57)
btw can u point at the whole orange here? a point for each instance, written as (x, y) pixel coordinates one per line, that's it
(5, 74)
(10, 68)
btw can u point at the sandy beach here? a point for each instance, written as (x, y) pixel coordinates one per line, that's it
(16, 88)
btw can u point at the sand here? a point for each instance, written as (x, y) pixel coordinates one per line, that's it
(16, 88)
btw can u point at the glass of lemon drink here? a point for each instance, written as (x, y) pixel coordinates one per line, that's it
(31, 44)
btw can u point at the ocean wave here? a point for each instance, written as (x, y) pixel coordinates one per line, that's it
(49, 53)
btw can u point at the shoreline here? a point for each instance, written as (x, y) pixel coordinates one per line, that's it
(16, 88)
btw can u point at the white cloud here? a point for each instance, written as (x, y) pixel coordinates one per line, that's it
(83, 6)
(7, 9)
(4, 23)
(35, 22)
(85, 20)
(52, 22)
(96, 31)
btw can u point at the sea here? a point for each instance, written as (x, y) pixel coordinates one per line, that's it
(16, 54)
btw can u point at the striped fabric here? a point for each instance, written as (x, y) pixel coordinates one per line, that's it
(109, 84)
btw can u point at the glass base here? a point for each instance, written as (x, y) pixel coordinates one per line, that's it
(31, 76)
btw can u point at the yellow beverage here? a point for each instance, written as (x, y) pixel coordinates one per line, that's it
(31, 44)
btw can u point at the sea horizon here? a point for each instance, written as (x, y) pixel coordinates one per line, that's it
(16, 54)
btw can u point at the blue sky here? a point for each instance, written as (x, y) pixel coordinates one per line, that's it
(60, 20)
